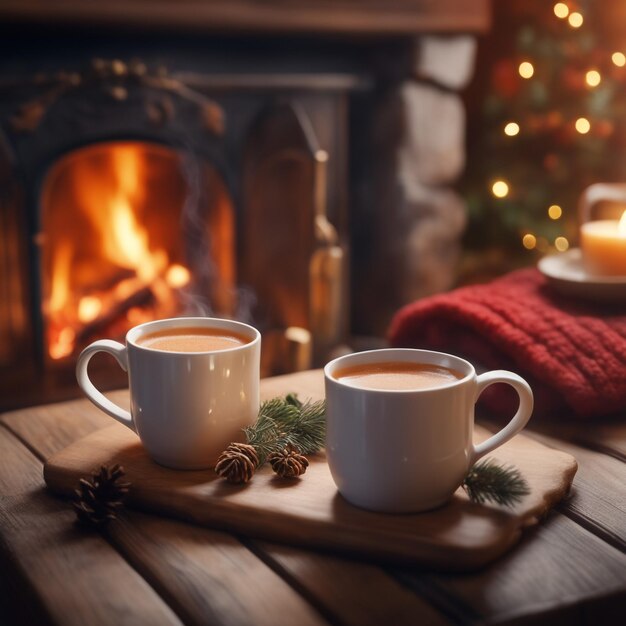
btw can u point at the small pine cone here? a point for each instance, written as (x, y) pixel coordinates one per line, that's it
(288, 463)
(99, 498)
(237, 463)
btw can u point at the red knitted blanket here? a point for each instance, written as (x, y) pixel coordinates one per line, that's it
(572, 354)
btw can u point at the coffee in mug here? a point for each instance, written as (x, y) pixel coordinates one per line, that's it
(399, 426)
(194, 386)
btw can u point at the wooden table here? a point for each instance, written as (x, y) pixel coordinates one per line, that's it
(571, 569)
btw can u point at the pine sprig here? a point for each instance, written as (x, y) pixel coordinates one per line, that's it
(306, 429)
(489, 482)
(266, 434)
(287, 421)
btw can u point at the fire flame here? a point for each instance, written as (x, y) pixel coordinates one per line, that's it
(109, 188)
(621, 226)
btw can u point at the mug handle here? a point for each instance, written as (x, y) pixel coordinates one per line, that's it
(615, 192)
(519, 419)
(118, 351)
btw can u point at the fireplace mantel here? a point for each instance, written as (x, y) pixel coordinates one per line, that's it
(366, 17)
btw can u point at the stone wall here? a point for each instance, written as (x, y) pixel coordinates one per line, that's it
(418, 140)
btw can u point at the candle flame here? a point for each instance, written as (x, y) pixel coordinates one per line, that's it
(621, 227)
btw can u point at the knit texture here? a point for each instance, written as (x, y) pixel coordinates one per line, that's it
(573, 354)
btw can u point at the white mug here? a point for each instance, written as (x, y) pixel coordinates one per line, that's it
(405, 451)
(186, 407)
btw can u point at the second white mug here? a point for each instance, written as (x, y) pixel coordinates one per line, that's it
(402, 451)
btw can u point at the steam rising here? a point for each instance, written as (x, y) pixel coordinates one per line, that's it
(204, 185)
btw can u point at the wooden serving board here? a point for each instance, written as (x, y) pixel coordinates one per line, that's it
(460, 536)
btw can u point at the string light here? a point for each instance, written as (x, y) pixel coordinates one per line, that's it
(618, 59)
(529, 241)
(575, 19)
(526, 69)
(561, 244)
(583, 125)
(511, 129)
(593, 78)
(500, 189)
(561, 10)
(555, 212)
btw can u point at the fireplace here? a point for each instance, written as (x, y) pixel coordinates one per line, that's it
(235, 177)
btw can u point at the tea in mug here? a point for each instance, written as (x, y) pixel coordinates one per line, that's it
(190, 339)
(397, 375)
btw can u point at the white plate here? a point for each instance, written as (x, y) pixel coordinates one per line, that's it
(567, 274)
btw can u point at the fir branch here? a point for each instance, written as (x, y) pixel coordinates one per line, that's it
(266, 434)
(292, 398)
(489, 482)
(307, 431)
(286, 422)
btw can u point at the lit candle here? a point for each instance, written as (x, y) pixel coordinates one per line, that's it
(603, 243)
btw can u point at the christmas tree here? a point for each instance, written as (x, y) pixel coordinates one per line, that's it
(552, 122)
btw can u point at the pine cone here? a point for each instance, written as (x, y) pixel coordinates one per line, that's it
(99, 499)
(288, 463)
(237, 463)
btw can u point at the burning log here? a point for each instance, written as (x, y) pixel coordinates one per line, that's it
(140, 298)
(108, 282)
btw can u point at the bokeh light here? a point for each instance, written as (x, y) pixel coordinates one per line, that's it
(619, 59)
(500, 189)
(583, 126)
(561, 10)
(526, 69)
(575, 19)
(593, 78)
(511, 129)
(555, 212)
(561, 244)
(529, 241)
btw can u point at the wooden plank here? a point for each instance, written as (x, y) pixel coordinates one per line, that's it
(610, 438)
(208, 577)
(50, 428)
(604, 436)
(598, 500)
(308, 385)
(278, 81)
(356, 593)
(559, 570)
(263, 16)
(72, 576)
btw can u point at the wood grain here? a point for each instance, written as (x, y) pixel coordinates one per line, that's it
(67, 575)
(208, 577)
(598, 500)
(311, 513)
(608, 437)
(48, 429)
(559, 568)
(332, 16)
(356, 593)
